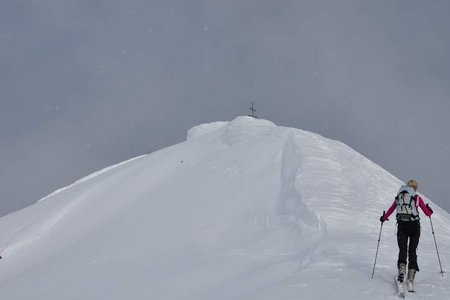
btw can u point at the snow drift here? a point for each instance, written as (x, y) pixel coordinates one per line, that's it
(240, 210)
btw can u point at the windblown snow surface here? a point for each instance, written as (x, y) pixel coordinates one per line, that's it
(241, 210)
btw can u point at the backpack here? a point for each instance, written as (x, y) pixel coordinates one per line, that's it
(406, 204)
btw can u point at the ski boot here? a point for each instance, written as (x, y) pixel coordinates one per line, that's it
(401, 272)
(411, 275)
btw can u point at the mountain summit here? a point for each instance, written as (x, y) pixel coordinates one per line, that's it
(240, 210)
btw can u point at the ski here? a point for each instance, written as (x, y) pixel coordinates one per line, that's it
(400, 287)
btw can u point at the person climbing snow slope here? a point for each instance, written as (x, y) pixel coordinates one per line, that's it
(406, 204)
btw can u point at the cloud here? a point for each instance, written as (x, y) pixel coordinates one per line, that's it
(86, 84)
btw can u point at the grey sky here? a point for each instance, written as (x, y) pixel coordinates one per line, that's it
(85, 84)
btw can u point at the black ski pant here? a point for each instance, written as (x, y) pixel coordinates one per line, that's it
(408, 231)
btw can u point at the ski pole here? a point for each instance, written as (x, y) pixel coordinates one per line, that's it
(378, 245)
(437, 251)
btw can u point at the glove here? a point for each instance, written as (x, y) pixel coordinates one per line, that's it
(382, 217)
(429, 208)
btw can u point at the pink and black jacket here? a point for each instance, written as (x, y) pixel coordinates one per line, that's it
(418, 203)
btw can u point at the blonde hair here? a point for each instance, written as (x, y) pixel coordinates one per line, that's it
(412, 183)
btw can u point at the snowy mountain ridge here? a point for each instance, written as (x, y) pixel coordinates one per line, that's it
(243, 209)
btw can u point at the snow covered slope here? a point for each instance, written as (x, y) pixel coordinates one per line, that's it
(240, 210)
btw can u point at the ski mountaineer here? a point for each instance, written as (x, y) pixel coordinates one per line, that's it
(406, 204)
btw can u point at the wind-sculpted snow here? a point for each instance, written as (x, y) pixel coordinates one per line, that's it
(247, 129)
(203, 129)
(241, 210)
